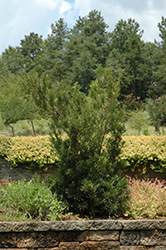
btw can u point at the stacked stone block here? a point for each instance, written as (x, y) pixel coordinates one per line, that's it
(82, 235)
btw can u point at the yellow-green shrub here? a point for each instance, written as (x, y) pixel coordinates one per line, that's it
(5, 143)
(145, 151)
(138, 151)
(33, 151)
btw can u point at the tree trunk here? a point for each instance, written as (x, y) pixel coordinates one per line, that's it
(12, 129)
(33, 128)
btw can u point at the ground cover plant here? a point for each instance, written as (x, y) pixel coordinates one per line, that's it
(147, 199)
(32, 200)
(21, 201)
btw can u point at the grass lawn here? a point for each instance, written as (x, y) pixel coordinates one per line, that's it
(24, 128)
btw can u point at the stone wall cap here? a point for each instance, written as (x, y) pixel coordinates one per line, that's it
(161, 224)
(143, 224)
(82, 225)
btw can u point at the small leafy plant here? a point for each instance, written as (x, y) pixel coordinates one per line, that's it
(5, 182)
(31, 200)
(147, 199)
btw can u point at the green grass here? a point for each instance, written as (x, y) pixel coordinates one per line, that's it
(148, 130)
(24, 128)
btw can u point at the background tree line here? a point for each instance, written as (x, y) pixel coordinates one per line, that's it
(72, 55)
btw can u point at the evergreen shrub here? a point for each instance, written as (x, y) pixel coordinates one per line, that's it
(87, 132)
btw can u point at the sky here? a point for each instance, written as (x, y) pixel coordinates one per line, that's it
(21, 17)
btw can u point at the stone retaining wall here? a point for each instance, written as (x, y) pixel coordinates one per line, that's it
(18, 172)
(82, 235)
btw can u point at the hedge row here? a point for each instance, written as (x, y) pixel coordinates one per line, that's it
(144, 152)
(138, 152)
(28, 151)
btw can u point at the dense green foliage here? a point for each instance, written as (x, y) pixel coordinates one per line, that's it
(16, 103)
(127, 49)
(141, 153)
(33, 200)
(70, 78)
(157, 111)
(88, 166)
(73, 55)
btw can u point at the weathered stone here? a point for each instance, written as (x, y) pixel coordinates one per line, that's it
(130, 238)
(104, 235)
(148, 238)
(84, 236)
(98, 235)
(52, 239)
(29, 243)
(68, 226)
(135, 248)
(31, 240)
(31, 226)
(159, 248)
(6, 227)
(8, 240)
(161, 224)
(37, 240)
(41, 226)
(52, 248)
(152, 238)
(100, 245)
(104, 225)
(15, 249)
(138, 225)
(63, 226)
(68, 236)
(69, 246)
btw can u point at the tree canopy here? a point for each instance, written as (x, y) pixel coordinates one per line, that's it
(73, 54)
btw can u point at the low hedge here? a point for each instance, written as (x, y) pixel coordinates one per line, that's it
(28, 151)
(145, 152)
(139, 152)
